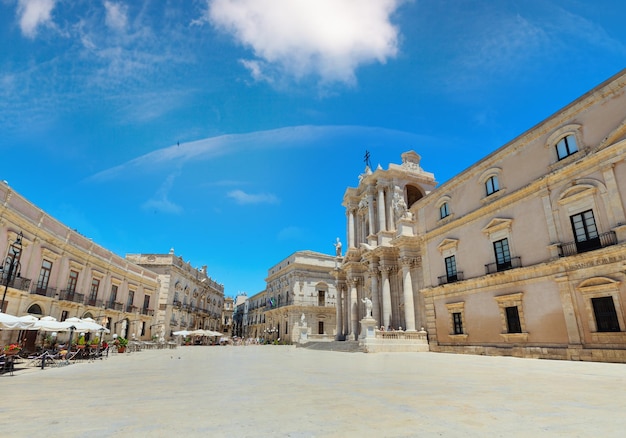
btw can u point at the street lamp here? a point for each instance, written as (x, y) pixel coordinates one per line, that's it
(11, 265)
(269, 332)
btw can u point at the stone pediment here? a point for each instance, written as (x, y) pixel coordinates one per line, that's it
(576, 192)
(597, 283)
(448, 243)
(497, 224)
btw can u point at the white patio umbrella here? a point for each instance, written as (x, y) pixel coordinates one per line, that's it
(182, 333)
(11, 322)
(86, 325)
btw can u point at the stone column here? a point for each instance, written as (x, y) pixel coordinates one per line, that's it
(370, 210)
(382, 223)
(407, 288)
(351, 228)
(375, 292)
(391, 222)
(569, 310)
(386, 319)
(339, 322)
(353, 309)
(613, 196)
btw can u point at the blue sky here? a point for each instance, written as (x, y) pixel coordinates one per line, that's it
(230, 129)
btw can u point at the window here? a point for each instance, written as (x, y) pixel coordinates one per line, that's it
(585, 231)
(146, 302)
(113, 295)
(451, 269)
(457, 322)
(606, 316)
(503, 254)
(444, 211)
(131, 298)
(321, 298)
(320, 327)
(44, 275)
(512, 320)
(512, 317)
(64, 315)
(72, 282)
(566, 147)
(491, 185)
(93, 292)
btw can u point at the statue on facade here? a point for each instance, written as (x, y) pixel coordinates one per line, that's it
(399, 206)
(302, 319)
(368, 307)
(124, 325)
(337, 246)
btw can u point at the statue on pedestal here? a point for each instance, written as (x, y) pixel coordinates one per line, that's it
(368, 307)
(337, 246)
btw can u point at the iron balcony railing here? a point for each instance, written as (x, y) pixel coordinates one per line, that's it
(19, 283)
(515, 262)
(93, 302)
(571, 248)
(70, 295)
(149, 312)
(44, 291)
(115, 306)
(445, 279)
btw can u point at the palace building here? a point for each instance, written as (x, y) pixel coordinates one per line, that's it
(521, 254)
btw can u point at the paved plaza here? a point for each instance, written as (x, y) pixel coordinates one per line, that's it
(282, 391)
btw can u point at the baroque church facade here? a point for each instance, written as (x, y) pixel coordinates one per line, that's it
(521, 254)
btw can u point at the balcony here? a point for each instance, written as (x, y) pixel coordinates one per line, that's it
(44, 291)
(93, 302)
(573, 248)
(70, 295)
(19, 283)
(515, 262)
(114, 306)
(445, 279)
(148, 312)
(131, 309)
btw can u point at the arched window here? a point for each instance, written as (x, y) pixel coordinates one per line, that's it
(492, 185)
(566, 147)
(35, 309)
(444, 210)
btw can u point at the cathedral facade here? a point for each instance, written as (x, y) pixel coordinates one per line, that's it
(521, 254)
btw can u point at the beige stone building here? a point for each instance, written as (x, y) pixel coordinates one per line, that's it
(301, 284)
(51, 270)
(521, 254)
(227, 316)
(188, 298)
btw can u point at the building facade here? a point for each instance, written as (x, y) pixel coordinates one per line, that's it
(188, 298)
(301, 285)
(52, 270)
(521, 254)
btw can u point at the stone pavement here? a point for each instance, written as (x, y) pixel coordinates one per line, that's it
(281, 391)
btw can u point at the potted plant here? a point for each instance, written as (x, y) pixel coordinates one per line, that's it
(12, 349)
(94, 342)
(80, 344)
(121, 344)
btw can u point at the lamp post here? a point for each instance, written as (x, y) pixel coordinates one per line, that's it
(11, 265)
(269, 332)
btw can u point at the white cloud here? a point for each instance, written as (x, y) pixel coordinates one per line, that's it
(116, 15)
(244, 198)
(34, 13)
(160, 201)
(329, 39)
(289, 137)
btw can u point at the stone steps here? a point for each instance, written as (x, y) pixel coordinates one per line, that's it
(343, 346)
